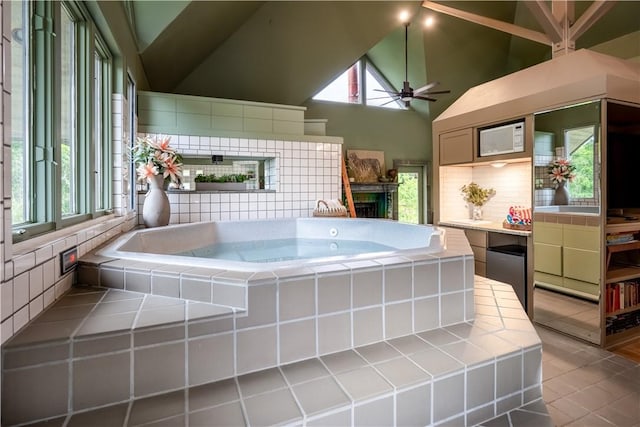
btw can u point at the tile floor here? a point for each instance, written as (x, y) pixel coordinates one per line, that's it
(585, 385)
(629, 349)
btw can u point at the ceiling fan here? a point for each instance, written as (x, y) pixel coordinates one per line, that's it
(407, 93)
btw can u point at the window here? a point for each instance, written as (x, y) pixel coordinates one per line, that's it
(378, 93)
(20, 151)
(60, 117)
(68, 112)
(130, 124)
(580, 143)
(361, 77)
(101, 134)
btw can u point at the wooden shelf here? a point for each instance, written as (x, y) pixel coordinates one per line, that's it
(624, 310)
(626, 246)
(619, 337)
(620, 225)
(620, 274)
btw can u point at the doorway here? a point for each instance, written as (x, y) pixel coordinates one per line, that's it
(411, 192)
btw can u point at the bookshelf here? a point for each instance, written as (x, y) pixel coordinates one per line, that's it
(622, 287)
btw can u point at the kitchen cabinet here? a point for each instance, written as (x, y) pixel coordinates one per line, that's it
(456, 147)
(478, 242)
(547, 248)
(567, 258)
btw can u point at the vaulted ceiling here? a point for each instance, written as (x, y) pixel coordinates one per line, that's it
(286, 51)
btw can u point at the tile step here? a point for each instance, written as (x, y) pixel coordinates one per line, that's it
(404, 381)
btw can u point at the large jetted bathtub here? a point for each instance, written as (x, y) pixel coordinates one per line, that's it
(259, 245)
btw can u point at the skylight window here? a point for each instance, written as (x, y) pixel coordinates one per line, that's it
(361, 78)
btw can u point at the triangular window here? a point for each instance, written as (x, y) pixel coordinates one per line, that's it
(361, 77)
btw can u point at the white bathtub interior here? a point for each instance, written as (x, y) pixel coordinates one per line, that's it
(181, 244)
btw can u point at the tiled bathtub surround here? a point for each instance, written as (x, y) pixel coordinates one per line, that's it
(297, 313)
(35, 280)
(297, 173)
(180, 372)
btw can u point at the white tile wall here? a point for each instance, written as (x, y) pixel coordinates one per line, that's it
(296, 175)
(511, 182)
(120, 143)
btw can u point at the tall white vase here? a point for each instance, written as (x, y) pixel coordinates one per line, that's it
(561, 196)
(156, 209)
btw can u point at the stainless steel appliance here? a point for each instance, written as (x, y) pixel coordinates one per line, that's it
(508, 264)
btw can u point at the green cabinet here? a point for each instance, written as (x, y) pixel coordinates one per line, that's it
(567, 258)
(547, 248)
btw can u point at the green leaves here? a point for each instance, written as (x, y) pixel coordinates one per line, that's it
(476, 195)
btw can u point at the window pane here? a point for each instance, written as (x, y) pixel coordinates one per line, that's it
(129, 124)
(68, 146)
(20, 154)
(581, 148)
(377, 95)
(346, 88)
(409, 197)
(97, 132)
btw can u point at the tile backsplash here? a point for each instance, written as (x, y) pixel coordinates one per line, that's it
(511, 182)
(296, 174)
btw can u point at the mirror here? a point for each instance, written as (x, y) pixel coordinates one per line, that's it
(254, 169)
(566, 239)
(571, 133)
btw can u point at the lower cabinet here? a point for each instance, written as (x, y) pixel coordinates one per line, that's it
(567, 258)
(478, 242)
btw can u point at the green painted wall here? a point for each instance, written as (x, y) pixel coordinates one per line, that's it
(401, 134)
(111, 19)
(287, 51)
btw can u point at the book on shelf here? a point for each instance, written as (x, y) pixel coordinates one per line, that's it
(622, 295)
(618, 238)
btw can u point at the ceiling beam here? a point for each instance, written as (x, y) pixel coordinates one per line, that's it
(546, 19)
(597, 9)
(516, 30)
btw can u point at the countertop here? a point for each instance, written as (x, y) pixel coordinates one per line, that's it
(483, 226)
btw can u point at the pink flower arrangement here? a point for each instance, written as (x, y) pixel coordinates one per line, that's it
(561, 170)
(153, 156)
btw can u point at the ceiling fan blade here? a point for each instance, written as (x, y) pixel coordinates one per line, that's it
(389, 102)
(425, 98)
(387, 91)
(383, 97)
(426, 87)
(435, 92)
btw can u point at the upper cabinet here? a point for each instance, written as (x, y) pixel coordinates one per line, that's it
(456, 147)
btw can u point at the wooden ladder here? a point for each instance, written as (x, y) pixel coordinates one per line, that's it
(347, 190)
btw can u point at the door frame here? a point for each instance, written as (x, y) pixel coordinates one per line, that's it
(427, 212)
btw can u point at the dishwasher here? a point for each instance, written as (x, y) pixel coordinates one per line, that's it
(508, 264)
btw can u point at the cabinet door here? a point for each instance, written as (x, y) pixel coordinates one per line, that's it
(581, 237)
(476, 237)
(581, 265)
(547, 258)
(547, 232)
(456, 147)
(581, 252)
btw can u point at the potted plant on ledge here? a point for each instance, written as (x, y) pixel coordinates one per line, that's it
(476, 196)
(231, 182)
